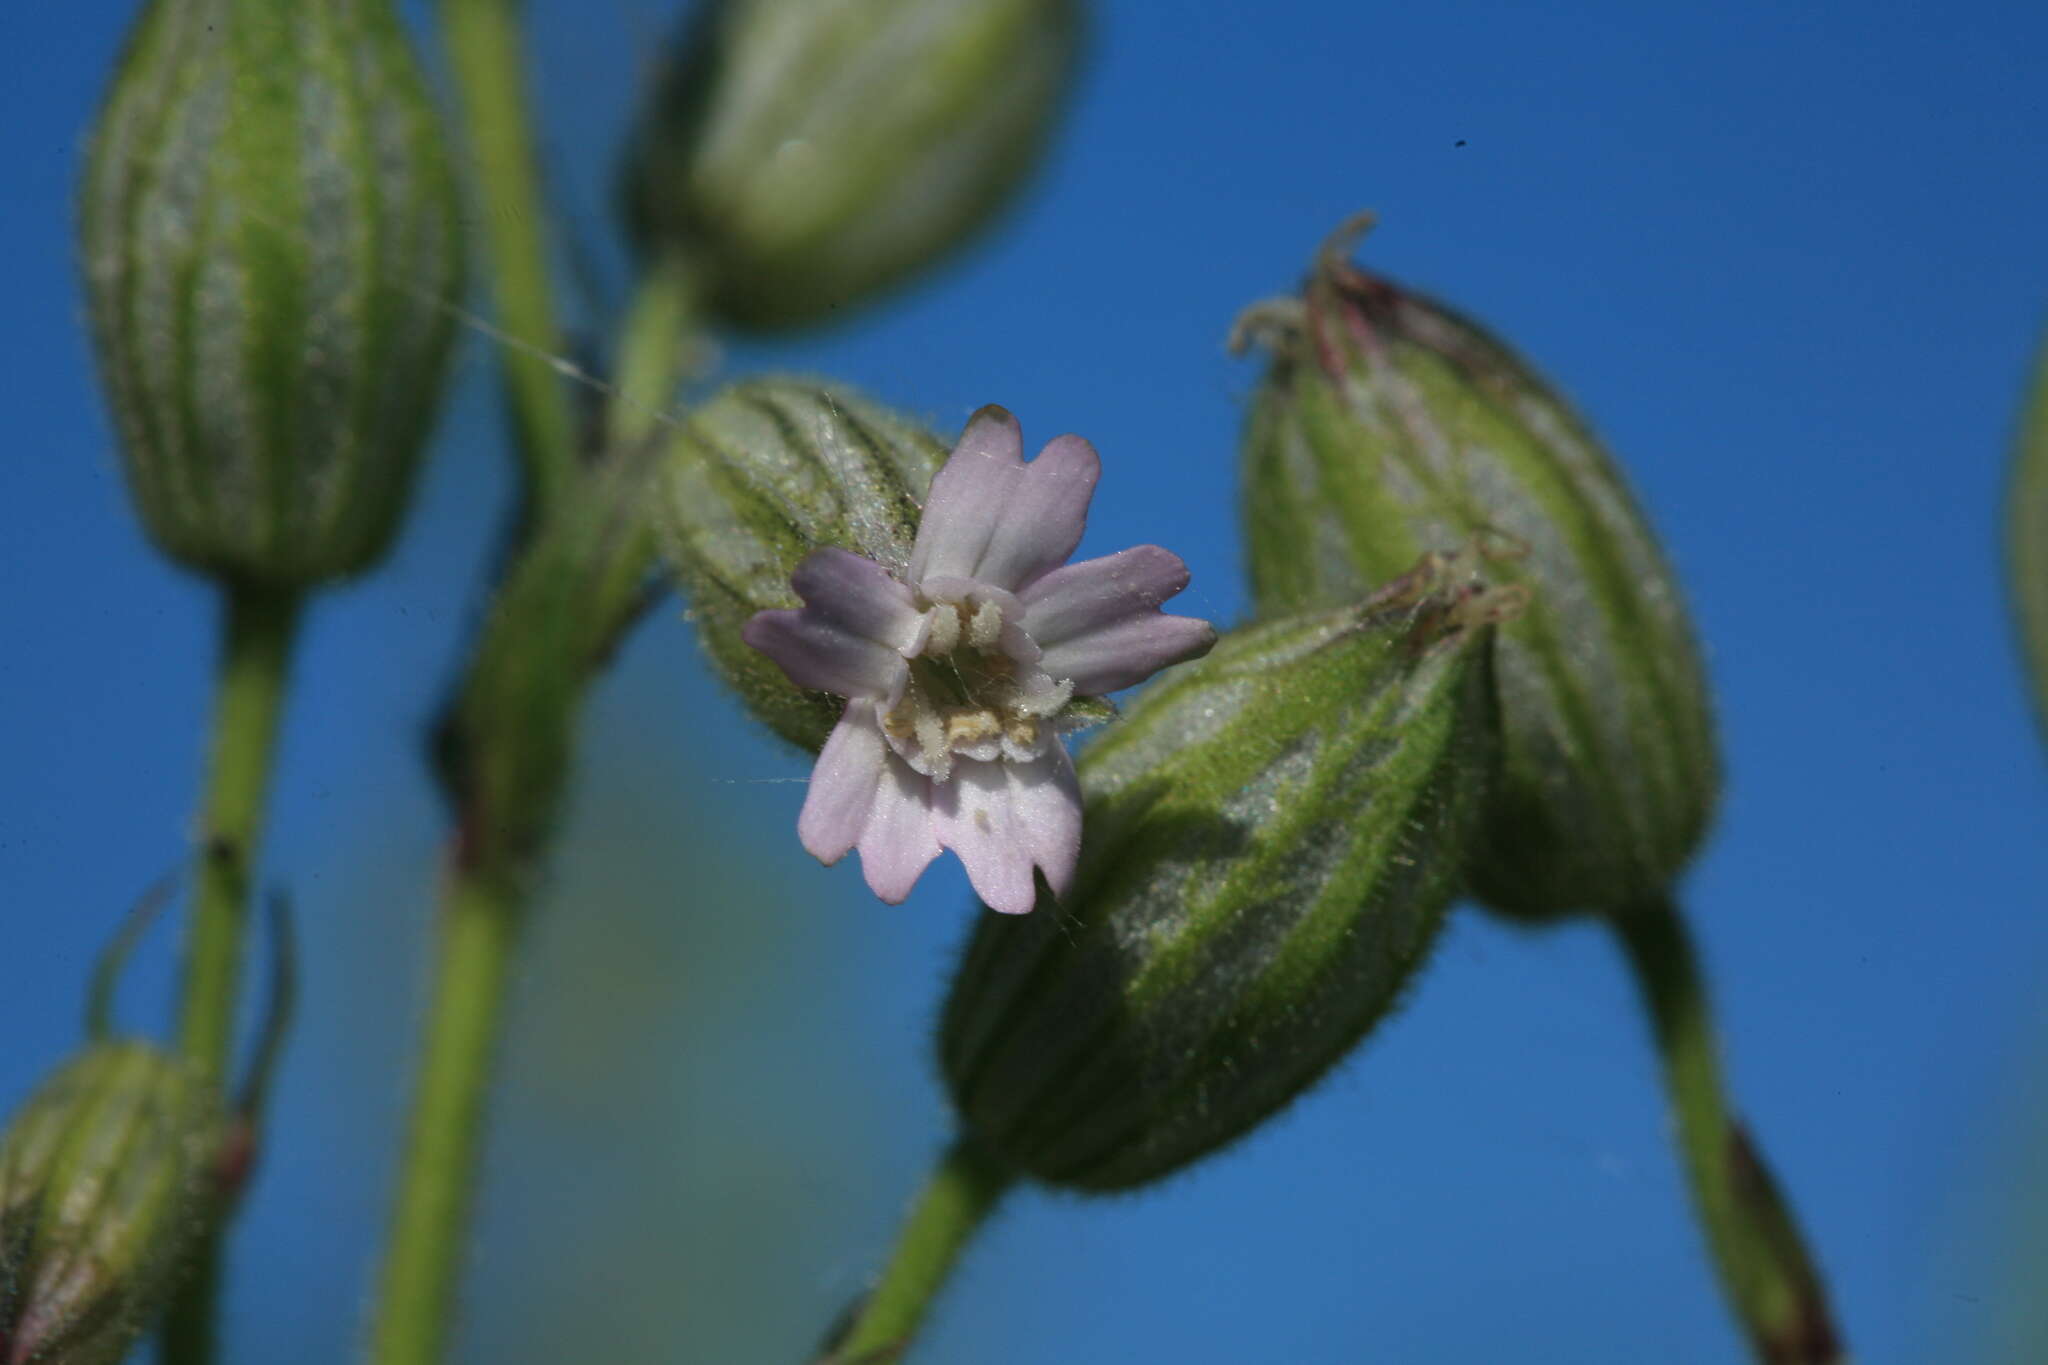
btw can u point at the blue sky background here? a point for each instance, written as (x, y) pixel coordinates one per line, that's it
(1790, 262)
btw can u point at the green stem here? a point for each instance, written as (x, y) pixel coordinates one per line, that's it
(1770, 1281)
(2026, 538)
(436, 1185)
(484, 52)
(255, 657)
(654, 344)
(958, 1198)
(261, 626)
(191, 1325)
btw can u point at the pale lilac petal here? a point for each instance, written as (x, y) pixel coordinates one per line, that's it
(1040, 523)
(814, 654)
(864, 796)
(1004, 818)
(971, 592)
(1094, 593)
(993, 540)
(1046, 797)
(1016, 642)
(972, 815)
(850, 770)
(1098, 621)
(1128, 652)
(967, 496)
(898, 844)
(857, 596)
(856, 625)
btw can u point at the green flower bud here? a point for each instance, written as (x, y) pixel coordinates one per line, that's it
(107, 1177)
(270, 234)
(811, 153)
(1273, 834)
(1388, 426)
(756, 479)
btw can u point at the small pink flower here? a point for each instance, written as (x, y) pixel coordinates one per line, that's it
(959, 675)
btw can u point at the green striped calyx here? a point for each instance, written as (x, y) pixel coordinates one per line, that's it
(1271, 837)
(271, 247)
(811, 153)
(758, 477)
(2026, 537)
(1387, 426)
(107, 1182)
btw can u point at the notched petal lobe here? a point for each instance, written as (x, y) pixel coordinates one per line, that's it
(1099, 622)
(1041, 522)
(967, 496)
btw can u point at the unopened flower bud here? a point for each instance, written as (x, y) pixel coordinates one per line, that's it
(811, 153)
(1272, 836)
(759, 477)
(107, 1178)
(1388, 426)
(270, 240)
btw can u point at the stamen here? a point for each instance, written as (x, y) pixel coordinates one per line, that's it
(932, 746)
(971, 727)
(945, 631)
(966, 700)
(1049, 702)
(987, 627)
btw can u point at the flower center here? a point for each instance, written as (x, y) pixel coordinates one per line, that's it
(975, 691)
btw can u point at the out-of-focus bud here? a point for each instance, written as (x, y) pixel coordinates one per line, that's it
(2026, 537)
(756, 479)
(107, 1182)
(579, 584)
(1387, 426)
(811, 153)
(270, 237)
(1272, 836)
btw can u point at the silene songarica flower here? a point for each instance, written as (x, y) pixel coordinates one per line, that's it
(962, 673)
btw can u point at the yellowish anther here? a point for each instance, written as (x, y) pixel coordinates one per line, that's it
(962, 661)
(971, 727)
(987, 626)
(931, 742)
(945, 629)
(896, 723)
(1049, 702)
